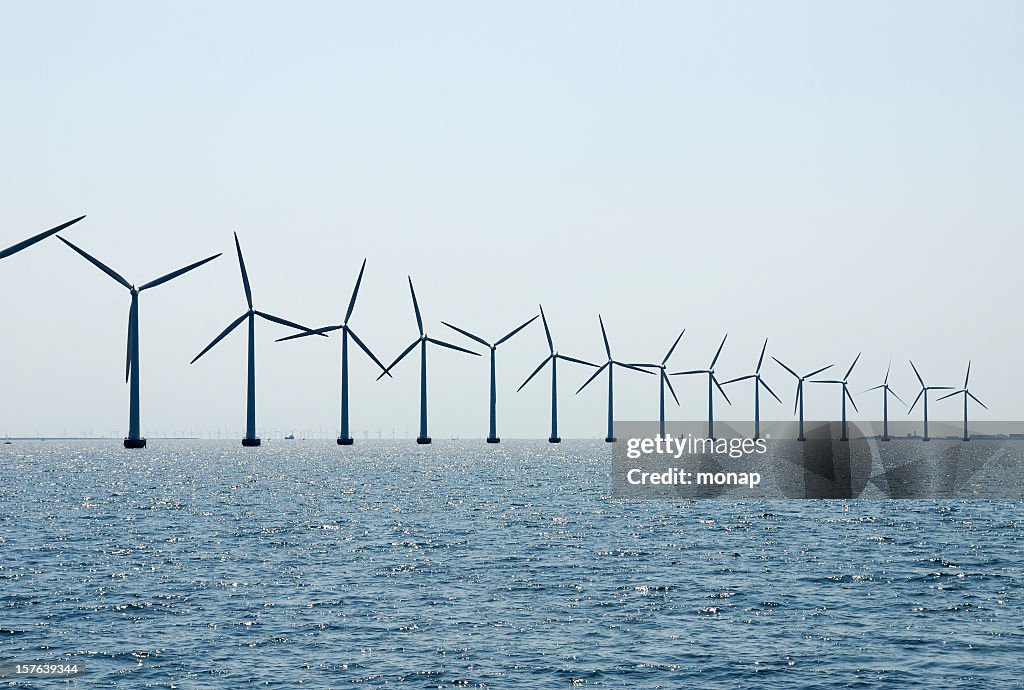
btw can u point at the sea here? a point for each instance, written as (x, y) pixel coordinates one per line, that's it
(202, 564)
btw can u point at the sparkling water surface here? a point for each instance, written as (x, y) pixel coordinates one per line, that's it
(200, 564)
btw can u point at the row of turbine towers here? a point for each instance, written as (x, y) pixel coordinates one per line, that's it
(423, 342)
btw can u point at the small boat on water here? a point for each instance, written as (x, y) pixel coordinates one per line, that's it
(289, 437)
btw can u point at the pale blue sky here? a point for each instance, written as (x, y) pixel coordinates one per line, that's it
(835, 176)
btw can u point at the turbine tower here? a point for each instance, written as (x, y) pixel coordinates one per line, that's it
(758, 382)
(844, 394)
(25, 244)
(663, 381)
(924, 392)
(712, 384)
(553, 360)
(134, 439)
(886, 392)
(967, 394)
(799, 402)
(345, 437)
(250, 439)
(422, 342)
(610, 365)
(492, 436)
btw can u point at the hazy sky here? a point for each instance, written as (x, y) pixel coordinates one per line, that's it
(835, 176)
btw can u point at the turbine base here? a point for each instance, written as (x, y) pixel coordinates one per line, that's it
(135, 443)
(611, 439)
(801, 439)
(966, 438)
(493, 439)
(844, 440)
(250, 442)
(884, 438)
(554, 439)
(423, 440)
(926, 439)
(345, 441)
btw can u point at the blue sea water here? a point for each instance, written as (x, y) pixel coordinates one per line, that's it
(199, 564)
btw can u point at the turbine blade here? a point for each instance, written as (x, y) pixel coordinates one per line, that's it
(641, 364)
(785, 367)
(284, 322)
(890, 390)
(512, 333)
(365, 349)
(914, 404)
(245, 275)
(868, 390)
(976, 400)
(535, 372)
(720, 389)
(547, 331)
(799, 394)
(767, 388)
(576, 361)
(399, 358)
(740, 378)
(634, 368)
(416, 306)
(761, 358)
(968, 377)
(673, 348)
(607, 347)
(25, 244)
(223, 334)
(668, 382)
(452, 347)
(174, 274)
(887, 370)
(825, 381)
(818, 371)
(950, 395)
(916, 373)
(592, 377)
(355, 293)
(712, 366)
(687, 373)
(128, 351)
(315, 331)
(98, 264)
(467, 334)
(846, 391)
(850, 370)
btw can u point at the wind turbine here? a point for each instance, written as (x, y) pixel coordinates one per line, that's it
(844, 394)
(345, 437)
(924, 392)
(422, 342)
(799, 402)
(662, 382)
(250, 438)
(712, 384)
(886, 391)
(967, 394)
(134, 440)
(610, 365)
(758, 382)
(492, 436)
(553, 360)
(25, 244)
